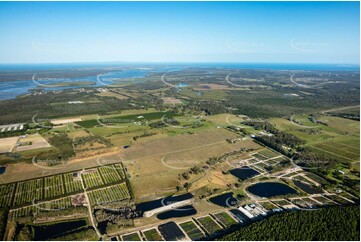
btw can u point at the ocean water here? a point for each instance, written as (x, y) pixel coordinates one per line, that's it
(11, 89)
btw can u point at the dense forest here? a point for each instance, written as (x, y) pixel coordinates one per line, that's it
(334, 223)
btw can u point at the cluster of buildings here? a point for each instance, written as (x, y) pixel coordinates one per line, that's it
(253, 211)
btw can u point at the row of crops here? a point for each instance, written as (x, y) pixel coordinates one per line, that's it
(103, 175)
(92, 179)
(57, 204)
(28, 191)
(51, 187)
(6, 193)
(110, 194)
(72, 183)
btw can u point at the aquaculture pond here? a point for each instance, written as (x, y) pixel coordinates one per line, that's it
(225, 200)
(171, 232)
(307, 188)
(270, 189)
(178, 212)
(146, 206)
(244, 172)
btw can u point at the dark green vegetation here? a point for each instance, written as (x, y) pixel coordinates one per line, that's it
(278, 139)
(64, 146)
(3, 220)
(52, 105)
(259, 93)
(125, 119)
(71, 230)
(334, 223)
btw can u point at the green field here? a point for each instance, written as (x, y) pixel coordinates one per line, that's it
(152, 235)
(110, 174)
(6, 193)
(125, 119)
(28, 191)
(131, 237)
(109, 194)
(225, 219)
(92, 178)
(72, 184)
(193, 232)
(209, 225)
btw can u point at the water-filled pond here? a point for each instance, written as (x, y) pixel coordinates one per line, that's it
(171, 232)
(244, 172)
(178, 212)
(270, 189)
(225, 200)
(2, 169)
(146, 206)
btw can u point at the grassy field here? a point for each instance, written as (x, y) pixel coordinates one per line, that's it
(193, 232)
(131, 237)
(154, 166)
(225, 219)
(152, 235)
(336, 137)
(209, 225)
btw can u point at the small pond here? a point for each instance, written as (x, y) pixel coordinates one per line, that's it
(270, 189)
(225, 200)
(244, 172)
(178, 212)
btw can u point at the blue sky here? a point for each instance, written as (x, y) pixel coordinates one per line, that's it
(265, 32)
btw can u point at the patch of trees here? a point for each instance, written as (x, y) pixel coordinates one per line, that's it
(3, 221)
(145, 134)
(351, 116)
(83, 234)
(64, 144)
(279, 138)
(327, 224)
(209, 107)
(50, 105)
(91, 139)
(322, 163)
(157, 125)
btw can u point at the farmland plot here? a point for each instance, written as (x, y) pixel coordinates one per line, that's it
(110, 174)
(209, 225)
(109, 194)
(57, 204)
(27, 191)
(72, 184)
(193, 232)
(120, 170)
(131, 237)
(225, 219)
(152, 235)
(6, 193)
(92, 178)
(53, 186)
(268, 153)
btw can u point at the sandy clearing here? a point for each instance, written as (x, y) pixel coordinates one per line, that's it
(6, 144)
(65, 121)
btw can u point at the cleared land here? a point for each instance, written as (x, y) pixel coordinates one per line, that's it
(6, 144)
(36, 141)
